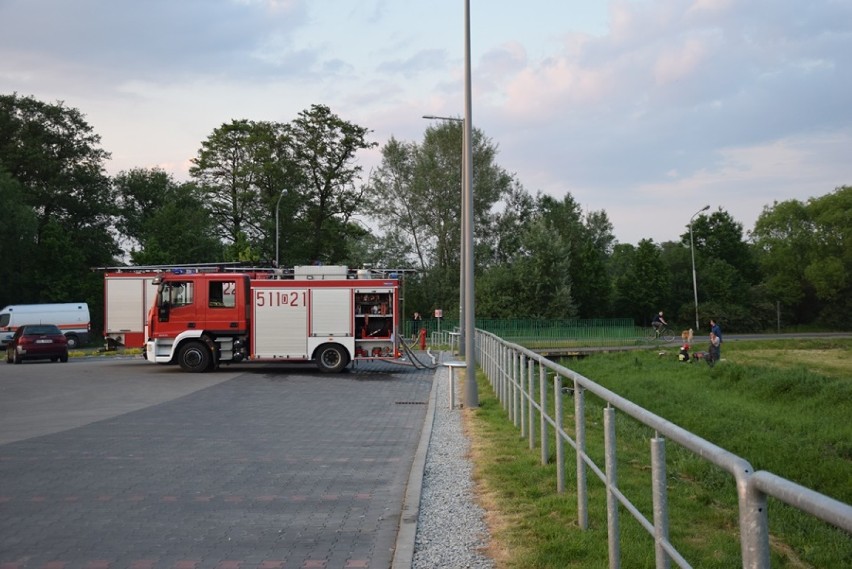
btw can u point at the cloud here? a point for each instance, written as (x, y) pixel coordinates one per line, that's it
(424, 60)
(681, 62)
(637, 110)
(147, 39)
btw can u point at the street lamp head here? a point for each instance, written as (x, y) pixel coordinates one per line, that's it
(705, 208)
(437, 118)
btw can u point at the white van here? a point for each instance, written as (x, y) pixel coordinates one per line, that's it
(72, 318)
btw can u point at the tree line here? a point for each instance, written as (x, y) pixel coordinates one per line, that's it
(265, 192)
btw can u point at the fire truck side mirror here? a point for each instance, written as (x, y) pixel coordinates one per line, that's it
(163, 311)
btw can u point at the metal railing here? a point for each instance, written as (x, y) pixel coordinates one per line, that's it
(511, 370)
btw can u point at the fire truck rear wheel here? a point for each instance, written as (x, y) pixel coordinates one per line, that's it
(194, 357)
(332, 358)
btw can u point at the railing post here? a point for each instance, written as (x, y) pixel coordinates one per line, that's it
(498, 371)
(522, 393)
(580, 436)
(507, 386)
(542, 417)
(492, 361)
(560, 441)
(660, 497)
(500, 388)
(507, 372)
(513, 385)
(754, 524)
(611, 484)
(530, 403)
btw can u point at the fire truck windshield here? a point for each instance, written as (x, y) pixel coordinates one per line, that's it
(176, 293)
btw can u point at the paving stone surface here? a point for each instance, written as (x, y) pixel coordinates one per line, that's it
(271, 469)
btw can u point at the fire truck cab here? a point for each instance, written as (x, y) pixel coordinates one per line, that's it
(322, 314)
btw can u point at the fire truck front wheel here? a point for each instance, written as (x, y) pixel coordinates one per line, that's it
(331, 358)
(194, 357)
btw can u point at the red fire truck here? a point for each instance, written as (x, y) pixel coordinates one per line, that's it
(325, 314)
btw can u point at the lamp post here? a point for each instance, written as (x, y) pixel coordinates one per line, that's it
(277, 208)
(471, 395)
(461, 237)
(692, 252)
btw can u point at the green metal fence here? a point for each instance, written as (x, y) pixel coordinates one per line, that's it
(548, 334)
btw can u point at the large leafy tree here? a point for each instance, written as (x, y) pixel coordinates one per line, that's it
(396, 204)
(589, 240)
(236, 169)
(805, 252)
(830, 269)
(18, 236)
(54, 158)
(163, 222)
(293, 182)
(725, 273)
(323, 148)
(502, 238)
(535, 283)
(642, 285)
(676, 258)
(415, 195)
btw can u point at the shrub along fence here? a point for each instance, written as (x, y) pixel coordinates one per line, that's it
(521, 379)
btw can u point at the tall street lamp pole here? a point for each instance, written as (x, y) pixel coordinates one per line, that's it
(277, 240)
(692, 251)
(461, 237)
(471, 396)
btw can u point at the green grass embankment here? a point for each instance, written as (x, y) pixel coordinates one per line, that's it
(784, 406)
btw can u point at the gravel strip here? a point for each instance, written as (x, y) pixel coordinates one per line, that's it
(450, 526)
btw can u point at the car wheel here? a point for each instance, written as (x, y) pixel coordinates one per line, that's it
(54, 359)
(73, 341)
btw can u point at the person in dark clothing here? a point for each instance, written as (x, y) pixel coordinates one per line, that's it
(658, 322)
(683, 355)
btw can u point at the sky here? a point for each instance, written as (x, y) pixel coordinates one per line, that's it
(646, 109)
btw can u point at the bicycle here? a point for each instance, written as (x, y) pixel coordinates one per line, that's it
(663, 333)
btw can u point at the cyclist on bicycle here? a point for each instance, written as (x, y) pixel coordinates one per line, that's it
(658, 322)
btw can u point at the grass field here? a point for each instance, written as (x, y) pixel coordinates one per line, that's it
(785, 406)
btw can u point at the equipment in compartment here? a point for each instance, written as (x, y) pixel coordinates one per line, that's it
(373, 317)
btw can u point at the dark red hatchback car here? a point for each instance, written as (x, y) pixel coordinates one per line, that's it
(37, 342)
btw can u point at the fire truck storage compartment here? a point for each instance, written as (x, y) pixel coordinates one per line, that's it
(374, 322)
(127, 300)
(280, 317)
(330, 310)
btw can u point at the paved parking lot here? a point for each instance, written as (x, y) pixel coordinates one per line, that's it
(119, 463)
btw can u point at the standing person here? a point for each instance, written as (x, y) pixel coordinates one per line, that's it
(418, 320)
(713, 356)
(714, 327)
